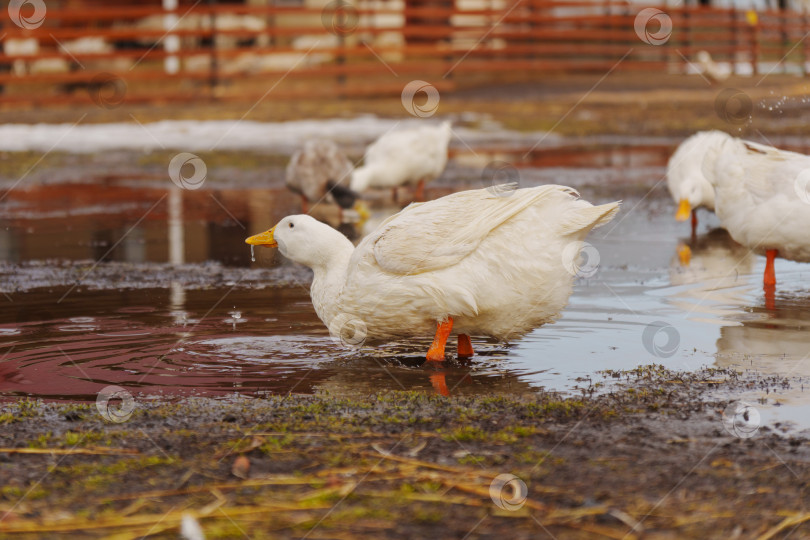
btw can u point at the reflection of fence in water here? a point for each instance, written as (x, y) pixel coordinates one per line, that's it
(202, 51)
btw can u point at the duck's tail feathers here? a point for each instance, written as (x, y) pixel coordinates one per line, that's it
(585, 218)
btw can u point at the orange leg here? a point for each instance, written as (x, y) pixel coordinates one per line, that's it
(439, 384)
(770, 297)
(770, 274)
(436, 351)
(465, 349)
(304, 205)
(694, 222)
(419, 194)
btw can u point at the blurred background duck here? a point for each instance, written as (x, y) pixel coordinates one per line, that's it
(404, 157)
(762, 197)
(320, 174)
(714, 72)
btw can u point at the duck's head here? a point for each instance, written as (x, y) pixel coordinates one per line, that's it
(690, 169)
(305, 240)
(695, 191)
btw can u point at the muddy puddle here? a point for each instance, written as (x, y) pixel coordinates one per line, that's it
(151, 288)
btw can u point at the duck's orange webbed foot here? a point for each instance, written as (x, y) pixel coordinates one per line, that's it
(465, 348)
(436, 351)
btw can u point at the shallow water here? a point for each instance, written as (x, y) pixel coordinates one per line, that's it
(643, 305)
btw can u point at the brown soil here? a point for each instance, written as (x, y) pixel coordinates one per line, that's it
(649, 458)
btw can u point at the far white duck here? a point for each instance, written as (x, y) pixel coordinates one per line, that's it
(762, 199)
(320, 172)
(716, 73)
(686, 178)
(482, 263)
(404, 157)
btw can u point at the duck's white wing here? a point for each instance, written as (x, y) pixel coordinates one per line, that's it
(764, 171)
(430, 236)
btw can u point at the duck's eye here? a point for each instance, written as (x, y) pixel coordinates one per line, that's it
(292, 225)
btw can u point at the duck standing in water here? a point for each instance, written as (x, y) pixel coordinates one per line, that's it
(475, 262)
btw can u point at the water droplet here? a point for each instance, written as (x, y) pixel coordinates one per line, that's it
(252, 254)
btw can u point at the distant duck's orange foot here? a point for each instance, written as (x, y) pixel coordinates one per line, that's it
(436, 351)
(419, 194)
(770, 273)
(465, 349)
(439, 384)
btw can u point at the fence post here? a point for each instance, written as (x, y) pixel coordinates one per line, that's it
(785, 37)
(213, 79)
(735, 39)
(804, 43)
(687, 30)
(171, 43)
(754, 46)
(340, 59)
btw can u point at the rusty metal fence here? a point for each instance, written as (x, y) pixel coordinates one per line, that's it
(134, 53)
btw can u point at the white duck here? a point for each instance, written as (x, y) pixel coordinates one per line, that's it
(404, 157)
(716, 73)
(762, 199)
(316, 171)
(686, 178)
(490, 265)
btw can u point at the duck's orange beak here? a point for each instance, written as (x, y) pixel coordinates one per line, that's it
(263, 239)
(684, 210)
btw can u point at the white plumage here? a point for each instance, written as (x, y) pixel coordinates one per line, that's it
(761, 197)
(494, 264)
(404, 157)
(713, 71)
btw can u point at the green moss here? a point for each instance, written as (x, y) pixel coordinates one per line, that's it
(471, 460)
(466, 433)
(276, 444)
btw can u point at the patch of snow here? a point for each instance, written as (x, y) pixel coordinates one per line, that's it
(211, 135)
